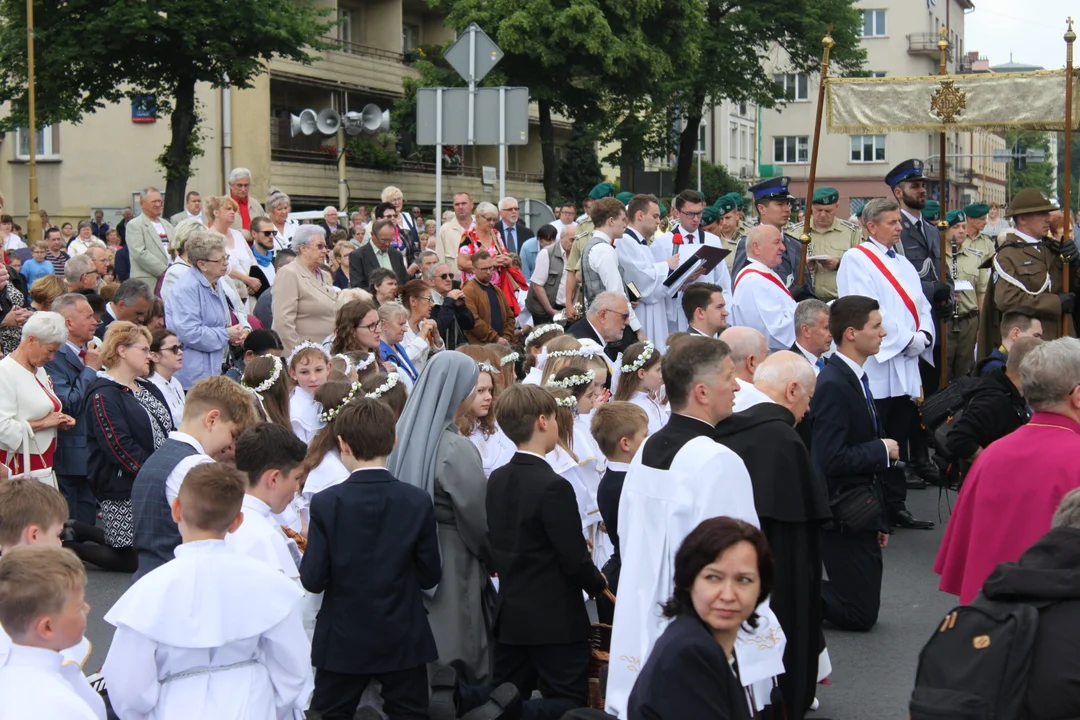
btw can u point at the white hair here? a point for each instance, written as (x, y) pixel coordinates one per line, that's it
(390, 191)
(486, 208)
(76, 267)
(305, 235)
(276, 199)
(349, 294)
(145, 192)
(874, 209)
(506, 200)
(329, 209)
(745, 342)
(47, 327)
(390, 310)
(608, 300)
(783, 367)
(238, 174)
(1050, 373)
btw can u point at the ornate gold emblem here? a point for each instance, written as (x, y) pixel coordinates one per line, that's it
(948, 102)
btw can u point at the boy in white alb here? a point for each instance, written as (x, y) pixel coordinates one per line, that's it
(43, 607)
(273, 459)
(212, 635)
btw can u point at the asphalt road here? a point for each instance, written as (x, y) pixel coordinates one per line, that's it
(873, 672)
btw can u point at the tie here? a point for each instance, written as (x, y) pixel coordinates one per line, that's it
(820, 363)
(510, 244)
(82, 354)
(689, 238)
(870, 401)
(919, 229)
(891, 254)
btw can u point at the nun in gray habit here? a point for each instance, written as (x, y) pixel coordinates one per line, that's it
(433, 456)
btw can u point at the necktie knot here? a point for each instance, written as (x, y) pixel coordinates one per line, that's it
(891, 254)
(820, 363)
(690, 238)
(82, 353)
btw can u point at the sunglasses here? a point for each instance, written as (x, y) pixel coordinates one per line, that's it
(175, 349)
(446, 276)
(268, 233)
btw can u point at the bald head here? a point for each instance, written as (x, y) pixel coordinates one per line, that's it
(765, 244)
(788, 379)
(748, 350)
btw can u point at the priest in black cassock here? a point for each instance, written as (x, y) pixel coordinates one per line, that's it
(792, 505)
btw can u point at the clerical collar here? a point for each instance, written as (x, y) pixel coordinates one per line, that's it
(758, 265)
(694, 331)
(535, 455)
(856, 367)
(634, 234)
(1025, 237)
(618, 466)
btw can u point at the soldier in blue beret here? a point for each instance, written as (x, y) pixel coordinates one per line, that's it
(830, 238)
(772, 201)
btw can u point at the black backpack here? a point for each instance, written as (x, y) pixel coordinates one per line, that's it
(975, 665)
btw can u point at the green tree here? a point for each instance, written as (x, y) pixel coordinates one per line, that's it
(736, 38)
(93, 52)
(1074, 190)
(715, 180)
(1029, 174)
(580, 171)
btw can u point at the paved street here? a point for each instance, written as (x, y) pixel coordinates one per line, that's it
(872, 673)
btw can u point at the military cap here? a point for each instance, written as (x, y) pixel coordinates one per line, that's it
(737, 199)
(603, 190)
(709, 215)
(907, 171)
(977, 210)
(826, 196)
(772, 189)
(625, 197)
(663, 210)
(1029, 200)
(932, 211)
(724, 205)
(955, 216)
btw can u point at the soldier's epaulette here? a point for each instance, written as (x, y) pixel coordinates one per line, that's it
(854, 226)
(794, 229)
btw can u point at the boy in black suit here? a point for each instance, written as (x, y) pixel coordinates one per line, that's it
(372, 547)
(618, 428)
(543, 563)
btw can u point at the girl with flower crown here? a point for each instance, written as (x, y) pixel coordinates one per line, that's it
(478, 424)
(640, 382)
(322, 465)
(564, 460)
(535, 343)
(309, 366)
(265, 377)
(559, 353)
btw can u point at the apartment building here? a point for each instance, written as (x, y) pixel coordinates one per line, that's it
(106, 159)
(731, 139)
(900, 38)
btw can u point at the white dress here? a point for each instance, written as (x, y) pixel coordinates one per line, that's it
(37, 683)
(211, 635)
(658, 414)
(304, 414)
(495, 449)
(173, 393)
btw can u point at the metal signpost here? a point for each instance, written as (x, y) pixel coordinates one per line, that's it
(471, 116)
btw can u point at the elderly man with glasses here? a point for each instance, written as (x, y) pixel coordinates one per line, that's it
(448, 308)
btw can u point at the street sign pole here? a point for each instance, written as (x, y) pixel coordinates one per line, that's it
(472, 83)
(502, 143)
(438, 158)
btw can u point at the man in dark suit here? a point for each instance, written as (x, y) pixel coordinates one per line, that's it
(848, 449)
(513, 231)
(604, 322)
(541, 626)
(330, 221)
(372, 547)
(130, 303)
(377, 254)
(72, 369)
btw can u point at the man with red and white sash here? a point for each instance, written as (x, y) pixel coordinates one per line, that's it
(874, 269)
(760, 298)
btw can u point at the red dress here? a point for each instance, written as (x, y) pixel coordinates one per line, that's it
(43, 461)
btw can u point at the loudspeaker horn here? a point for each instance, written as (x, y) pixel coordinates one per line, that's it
(375, 118)
(328, 121)
(354, 123)
(302, 124)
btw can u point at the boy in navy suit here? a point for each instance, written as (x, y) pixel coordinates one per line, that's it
(372, 548)
(543, 563)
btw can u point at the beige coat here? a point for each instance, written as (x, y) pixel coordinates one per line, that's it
(447, 243)
(148, 258)
(304, 305)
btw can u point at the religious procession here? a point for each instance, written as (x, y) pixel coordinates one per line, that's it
(805, 449)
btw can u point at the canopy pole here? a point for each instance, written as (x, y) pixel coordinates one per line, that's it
(804, 238)
(942, 223)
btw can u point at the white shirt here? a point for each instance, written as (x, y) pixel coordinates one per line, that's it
(174, 272)
(261, 538)
(1025, 237)
(304, 414)
(13, 242)
(160, 230)
(240, 257)
(540, 275)
(176, 477)
(189, 216)
(658, 415)
(36, 683)
(748, 396)
(810, 357)
(283, 237)
(174, 396)
(764, 305)
(77, 350)
(604, 261)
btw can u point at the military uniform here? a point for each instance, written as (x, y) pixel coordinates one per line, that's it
(584, 233)
(727, 204)
(969, 284)
(788, 269)
(834, 241)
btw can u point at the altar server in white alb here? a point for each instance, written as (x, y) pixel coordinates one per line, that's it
(272, 458)
(212, 635)
(600, 261)
(679, 477)
(43, 607)
(644, 271)
(874, 269)
(761, 300)
(684, 240)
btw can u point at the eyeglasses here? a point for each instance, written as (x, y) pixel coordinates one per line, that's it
(624, 316)
(446, 276)
(690, 214)
(479, 269)
(426, 298)
(175, 349)
(214, 262)
(319, 246)
(372, 327)
(144, 348)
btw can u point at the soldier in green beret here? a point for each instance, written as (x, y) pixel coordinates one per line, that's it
(625, 197)
(978, 241)
(709, 216)
(727, 225)
(969, 282)
(830, 238)
(932, 211)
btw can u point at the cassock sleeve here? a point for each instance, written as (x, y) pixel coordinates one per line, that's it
(563, 527)
(130, 672)
(315, 567)
(286, 653)
(856, 276)
(642, 269)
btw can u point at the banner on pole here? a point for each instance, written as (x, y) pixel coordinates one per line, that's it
(937, 103)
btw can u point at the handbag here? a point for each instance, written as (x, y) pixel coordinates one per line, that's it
(45, 475)
(857, 508)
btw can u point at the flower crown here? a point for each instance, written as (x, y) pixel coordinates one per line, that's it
(573, 381)
(391, 381)
(487, 367)
(510, 358)
(541, 331)
(643, 358)
(306, 345)
(566, 402)
(268, 382)
(326, 416)
(366, 362)
(348, 362)
(591, 351)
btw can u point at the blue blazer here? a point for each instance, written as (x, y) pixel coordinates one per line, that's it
(70, 382)
(372, 547)
(397, 355)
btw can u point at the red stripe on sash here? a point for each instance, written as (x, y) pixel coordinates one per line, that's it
(768, 276)
(908, 302)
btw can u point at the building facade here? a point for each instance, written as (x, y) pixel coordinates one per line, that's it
(106, 159)
(900, 39)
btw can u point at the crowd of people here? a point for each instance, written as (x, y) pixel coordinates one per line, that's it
(366, 466)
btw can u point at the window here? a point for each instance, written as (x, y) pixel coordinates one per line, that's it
(734, 149)
(410, 37)
(877, 73)
(744, 144)
(867, 148)
(791, 86)
(344, 29)
(47, 146)
(742, 109)
(873, 23)
(791, 149)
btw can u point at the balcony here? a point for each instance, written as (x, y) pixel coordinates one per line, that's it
(927, 44)
(350, 65)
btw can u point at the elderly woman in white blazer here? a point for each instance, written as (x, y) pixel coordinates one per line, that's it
(304, 293)
(30, 412)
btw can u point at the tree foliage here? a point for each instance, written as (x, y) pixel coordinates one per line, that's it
(715, 180)
(580, 171)
(1074, 190)
(1036, 175)
(90, 53)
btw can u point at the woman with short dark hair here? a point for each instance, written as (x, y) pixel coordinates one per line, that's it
(723, 571)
